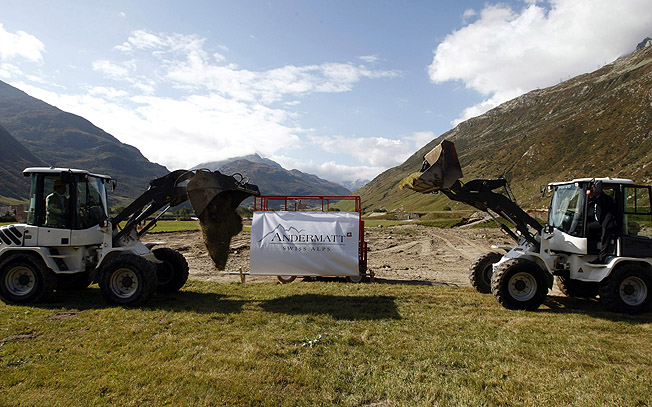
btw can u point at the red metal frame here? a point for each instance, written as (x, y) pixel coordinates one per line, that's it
(261, 203)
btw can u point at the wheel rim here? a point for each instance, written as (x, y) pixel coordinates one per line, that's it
(522, 286)
(486, 274)
(355, 279)
(286, 279)
(165, 273)
(124, 283)
(20, 280)
(633, 291)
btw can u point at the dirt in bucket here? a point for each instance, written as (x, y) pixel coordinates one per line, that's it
(219, 223)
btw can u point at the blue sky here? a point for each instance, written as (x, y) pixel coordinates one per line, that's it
(341, 89)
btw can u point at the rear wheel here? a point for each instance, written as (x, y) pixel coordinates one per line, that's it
(286, 279)
(172, 273)
(129, 280)
(628, 290)
(24, 278)
(356, 279)
(519, 284)
(481, 270)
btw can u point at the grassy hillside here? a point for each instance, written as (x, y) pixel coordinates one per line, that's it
(321, 343)
(594, 125)
(65, 140)
(14, 157)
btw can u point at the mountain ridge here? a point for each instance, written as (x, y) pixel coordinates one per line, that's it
(562, 132)
(273, 179)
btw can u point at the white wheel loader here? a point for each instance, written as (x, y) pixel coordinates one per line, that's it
(69, 241)
(566, 247)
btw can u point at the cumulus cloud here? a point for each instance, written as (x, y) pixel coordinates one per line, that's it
(20, 45)
(330, 170)
(505, 52)
(184, 103)
(377, 152)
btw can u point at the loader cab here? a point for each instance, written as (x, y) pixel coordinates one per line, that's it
(66, 198)
(568, 215)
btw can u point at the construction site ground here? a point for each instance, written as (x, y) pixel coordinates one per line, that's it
(406, 254)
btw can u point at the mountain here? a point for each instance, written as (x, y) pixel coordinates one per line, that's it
(63, 139)
(13, 155)
(254, 158)
(353, 185)
(272, 179)
(594, 125)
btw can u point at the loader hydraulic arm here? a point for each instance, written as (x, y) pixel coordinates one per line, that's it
(480, 194)
(441, 172)
(162, 192)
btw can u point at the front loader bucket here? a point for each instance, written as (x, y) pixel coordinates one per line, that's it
(441, 169)
(215, 198)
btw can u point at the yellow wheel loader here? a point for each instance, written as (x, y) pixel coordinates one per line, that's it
(69, 241)
(568, 245)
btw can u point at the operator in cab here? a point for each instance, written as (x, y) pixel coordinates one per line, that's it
(56, 206)
(601, 219)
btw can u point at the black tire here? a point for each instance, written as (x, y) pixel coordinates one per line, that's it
(356, 279)
(519, 284)
(627, 290)
(481, 270)
(24, 279)
(286, 279)
(577, 289)
(173, 272)
(128, 279)
(72, 282)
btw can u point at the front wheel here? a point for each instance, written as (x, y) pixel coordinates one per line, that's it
(24, 278)
(628, 290)
(172, 273)
(519, 284)
(481, 270)
(128, 279)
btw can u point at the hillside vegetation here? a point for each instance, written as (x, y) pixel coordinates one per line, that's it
(61, 139)
(594, 125)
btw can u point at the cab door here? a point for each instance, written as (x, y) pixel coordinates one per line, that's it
(636, 238)
(53, 209)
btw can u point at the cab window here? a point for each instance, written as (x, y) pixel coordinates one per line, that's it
(637, 219)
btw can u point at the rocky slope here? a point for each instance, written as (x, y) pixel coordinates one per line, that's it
(594, 125)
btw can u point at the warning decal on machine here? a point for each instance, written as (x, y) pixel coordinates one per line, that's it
(305, 243)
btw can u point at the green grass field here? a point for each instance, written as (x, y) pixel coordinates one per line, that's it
(321, 343)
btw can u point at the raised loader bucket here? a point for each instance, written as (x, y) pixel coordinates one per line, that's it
(215, 198)
(440, 169)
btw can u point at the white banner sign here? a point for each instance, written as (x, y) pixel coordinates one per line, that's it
(305, 243)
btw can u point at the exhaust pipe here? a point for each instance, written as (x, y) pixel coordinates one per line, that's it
(440, 170)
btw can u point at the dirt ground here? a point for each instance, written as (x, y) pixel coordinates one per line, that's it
(403, 254)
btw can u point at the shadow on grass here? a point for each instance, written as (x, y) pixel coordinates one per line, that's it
(591, 307)
(339, 307)
(181, 301)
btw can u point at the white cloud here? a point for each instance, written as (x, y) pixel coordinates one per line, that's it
(377, 152)
(507, 52)
(330, 170)
(20, 45)
(111, 69)
(9, 70)
(183, 104)
(370, 59)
